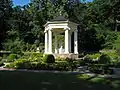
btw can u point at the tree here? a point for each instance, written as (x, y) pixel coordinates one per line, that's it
(97, 22)
(5, 13)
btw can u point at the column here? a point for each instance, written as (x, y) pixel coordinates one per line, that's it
(75, 42)
(50, 41)
(70, 42)
(46, 42)
(67, 41)
(56, 44)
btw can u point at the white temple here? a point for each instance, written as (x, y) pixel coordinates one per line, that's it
(57, 26)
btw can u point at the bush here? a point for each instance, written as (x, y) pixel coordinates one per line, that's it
(49, 58)
(1, 64)
(69, 60)
(33, 56)
(11, 57)
(100, 69)
(104, 59)
(117, 64)
(61, 66)
(87, 59)
(82, 62)
(118, 51)
(0, 58)
(11, 65)
(74, 65)
(25, 64)
(60, 59)
(22, 64)
(94, 56)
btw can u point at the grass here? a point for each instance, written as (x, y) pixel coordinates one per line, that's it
(54, 81)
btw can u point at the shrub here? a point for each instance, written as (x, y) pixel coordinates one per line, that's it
(113, 54)
(1, 64)
(61, 66)
(49, 58)
(74, 65)
(26, 64)
(117, 65)
(60, 59)
(22, 64)
(11, 57)
(94, 56)
(36, 57)
(104, 59)
(66, 66)
(69, 60)
(87, 59)
(82, 62)
(100, 69)
(11, 65)
(33, 56)
(118, 51)
(0, 58)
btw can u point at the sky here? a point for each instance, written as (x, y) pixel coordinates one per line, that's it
(24, 2)
(20, 2)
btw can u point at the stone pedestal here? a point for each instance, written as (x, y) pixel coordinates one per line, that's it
(71, 55)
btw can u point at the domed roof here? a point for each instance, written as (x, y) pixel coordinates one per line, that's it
(59, 18)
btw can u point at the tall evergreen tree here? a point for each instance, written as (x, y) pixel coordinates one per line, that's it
(5, 8)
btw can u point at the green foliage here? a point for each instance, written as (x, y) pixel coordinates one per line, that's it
(94, 56)
(61, 66)
(5, 13)
(33, 56)
(0, 58)
(82, 63)
(22, 27)
(1, 63)
(100, 69)
(60, 59)
(83, 76)
(69, 60)
(11, 65)
(104, 59)
(118, 51)
(15, 46)
(22, 64)
(12, 57)
(117, 42)
(117, 64)
(27, 64)
(112, 54)
(49, 58)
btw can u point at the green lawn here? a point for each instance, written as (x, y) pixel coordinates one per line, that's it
(54, 81)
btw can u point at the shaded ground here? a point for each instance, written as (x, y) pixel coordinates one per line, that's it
(16, 80)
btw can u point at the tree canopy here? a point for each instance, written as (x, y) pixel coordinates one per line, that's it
(21, 28)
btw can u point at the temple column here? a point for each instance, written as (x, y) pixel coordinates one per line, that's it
(75, 42)
(70, 42)
(56, 44)
(67, 41)
(50, 41)
(46, 42)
